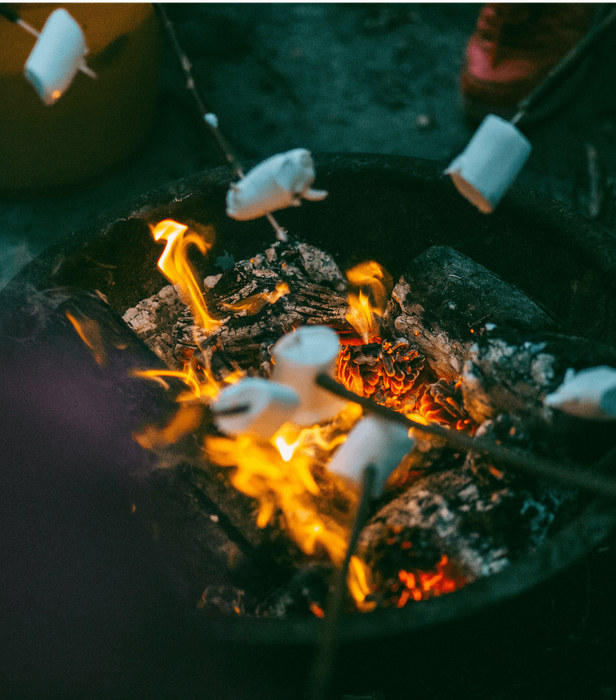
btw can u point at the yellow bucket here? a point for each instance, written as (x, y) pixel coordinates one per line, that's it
(97, 123)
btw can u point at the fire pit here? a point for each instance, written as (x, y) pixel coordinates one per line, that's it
(389, 209)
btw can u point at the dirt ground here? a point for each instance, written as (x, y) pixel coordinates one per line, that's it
(379, 78)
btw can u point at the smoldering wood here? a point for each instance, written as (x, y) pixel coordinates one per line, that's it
(247, 333)
(509, 371)
(479, 517)
(250, 323)
(444, 299)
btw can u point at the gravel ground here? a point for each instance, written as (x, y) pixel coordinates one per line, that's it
(369, 78)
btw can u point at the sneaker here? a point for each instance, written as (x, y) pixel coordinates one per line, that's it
(512, 50)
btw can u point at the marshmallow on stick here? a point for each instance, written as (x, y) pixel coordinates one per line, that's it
(490, 163)
(589, 393)
(277, 183)
(373, 441)
(255, 406)
(57, 56)
(298, 358)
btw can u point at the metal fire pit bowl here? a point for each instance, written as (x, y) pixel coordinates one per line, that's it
(390, 209)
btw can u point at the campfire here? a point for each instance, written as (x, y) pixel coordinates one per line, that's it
(449, 344)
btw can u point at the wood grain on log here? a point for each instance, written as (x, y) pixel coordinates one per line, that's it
(444, 299)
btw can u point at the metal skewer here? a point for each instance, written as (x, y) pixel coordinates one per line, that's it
(208, 117)
(564, 67)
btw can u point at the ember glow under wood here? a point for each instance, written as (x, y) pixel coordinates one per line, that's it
(445, 299)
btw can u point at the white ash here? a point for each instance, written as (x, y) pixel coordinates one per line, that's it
(321, 267)
(444, 300)
(153, 318)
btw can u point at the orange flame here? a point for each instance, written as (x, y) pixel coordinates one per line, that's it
(369, 287)
(185, 420)
(174, 264)
(254, 303)
(89, 331)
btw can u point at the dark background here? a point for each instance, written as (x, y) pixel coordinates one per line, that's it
(371, 78)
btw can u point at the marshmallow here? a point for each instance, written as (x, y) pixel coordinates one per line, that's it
(374, 440)
(589, 393)
(278, 182)
(490, 163)
(269, 406)
(298, 358)
(56, 57)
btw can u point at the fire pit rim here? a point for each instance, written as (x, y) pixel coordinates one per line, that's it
(557, 554)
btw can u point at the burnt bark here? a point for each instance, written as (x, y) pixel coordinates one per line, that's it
(466, 514)
(445, 299)
(511, 372)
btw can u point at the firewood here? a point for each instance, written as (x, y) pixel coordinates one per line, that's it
(511, 372)
(455, 525)
(444, 299)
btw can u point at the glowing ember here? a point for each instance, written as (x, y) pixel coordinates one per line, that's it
(253, 304)
(421, 585)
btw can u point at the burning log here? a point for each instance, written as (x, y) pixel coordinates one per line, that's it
(455, 525)
(153, 319)
(445, 299)
(263, 298)
(512, 372)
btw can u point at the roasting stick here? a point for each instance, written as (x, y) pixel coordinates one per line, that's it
(324, 663)
(13, 17)
(208, 117)
(562, 69)
(571, 475)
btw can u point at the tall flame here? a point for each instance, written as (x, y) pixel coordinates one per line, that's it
(279, 474)
(174, 264)
(369, 287)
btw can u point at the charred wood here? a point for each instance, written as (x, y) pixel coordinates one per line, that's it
(511, 372)
(445, 299)
(455, 526)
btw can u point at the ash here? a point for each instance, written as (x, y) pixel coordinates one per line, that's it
(446, 516)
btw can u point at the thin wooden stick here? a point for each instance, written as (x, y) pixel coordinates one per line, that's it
(323, 667)
(207, 117)
(572, 475)
(564, 67)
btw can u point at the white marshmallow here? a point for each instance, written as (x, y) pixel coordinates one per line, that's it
(589, 393)
(278, 182)
(270, 405)
(298, 358)
(490, 163)
(56, 57)
(374, 440)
